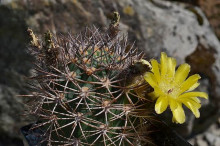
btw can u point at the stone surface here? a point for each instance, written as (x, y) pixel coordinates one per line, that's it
(11, 109)
(210, 137)
(14, 66)
(181, 30)
(211, 9)
(185, 33)
(201, 142)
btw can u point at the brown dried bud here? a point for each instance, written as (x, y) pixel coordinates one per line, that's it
(34, 40)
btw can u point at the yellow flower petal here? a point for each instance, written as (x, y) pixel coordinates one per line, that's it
(161, 104)
(173, 104)
(193, 107)
(181, 73)
(155, 69)
(195, 99)
(150, 78)
(171, 67)
(163, 61)
(194, 86)
(178, 114)
(191, 81)
(171, 88)
(159, 91)
(194, 103)
(194, 94)
(174, 120)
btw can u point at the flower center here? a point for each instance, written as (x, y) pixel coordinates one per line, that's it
(169, 89)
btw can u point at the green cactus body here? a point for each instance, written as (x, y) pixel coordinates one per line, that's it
(85, 94)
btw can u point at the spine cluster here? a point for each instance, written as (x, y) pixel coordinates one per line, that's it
(88, 90)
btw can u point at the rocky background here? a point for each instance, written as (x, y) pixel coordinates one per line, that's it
(186, 29)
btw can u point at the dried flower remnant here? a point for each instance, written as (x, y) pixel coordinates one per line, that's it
(173, 88)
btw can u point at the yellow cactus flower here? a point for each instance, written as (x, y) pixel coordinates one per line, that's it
(173, 88)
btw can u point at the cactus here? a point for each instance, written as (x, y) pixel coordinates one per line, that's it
(89, 89)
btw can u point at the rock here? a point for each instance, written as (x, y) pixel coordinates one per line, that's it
(201, 142)
(11, 109)
(210, 137)
(192, 141)
(217, 142)
(213, 139)
(210, 8)
(185, 33)
(181, 30)
(212, 11)
(14, 66)
(215, 130)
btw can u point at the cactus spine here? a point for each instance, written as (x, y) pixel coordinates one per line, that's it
(88, 90)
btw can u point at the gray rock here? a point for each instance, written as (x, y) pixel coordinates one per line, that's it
(201, 142)
(11, 120)
(215, 130)
(10, 108)
(217, 142)
(210, 137)
(181, 31)
(192, 141)
(6, 1)
(184, 33)
(14, 66)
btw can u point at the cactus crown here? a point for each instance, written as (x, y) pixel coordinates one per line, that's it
(88, 90)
